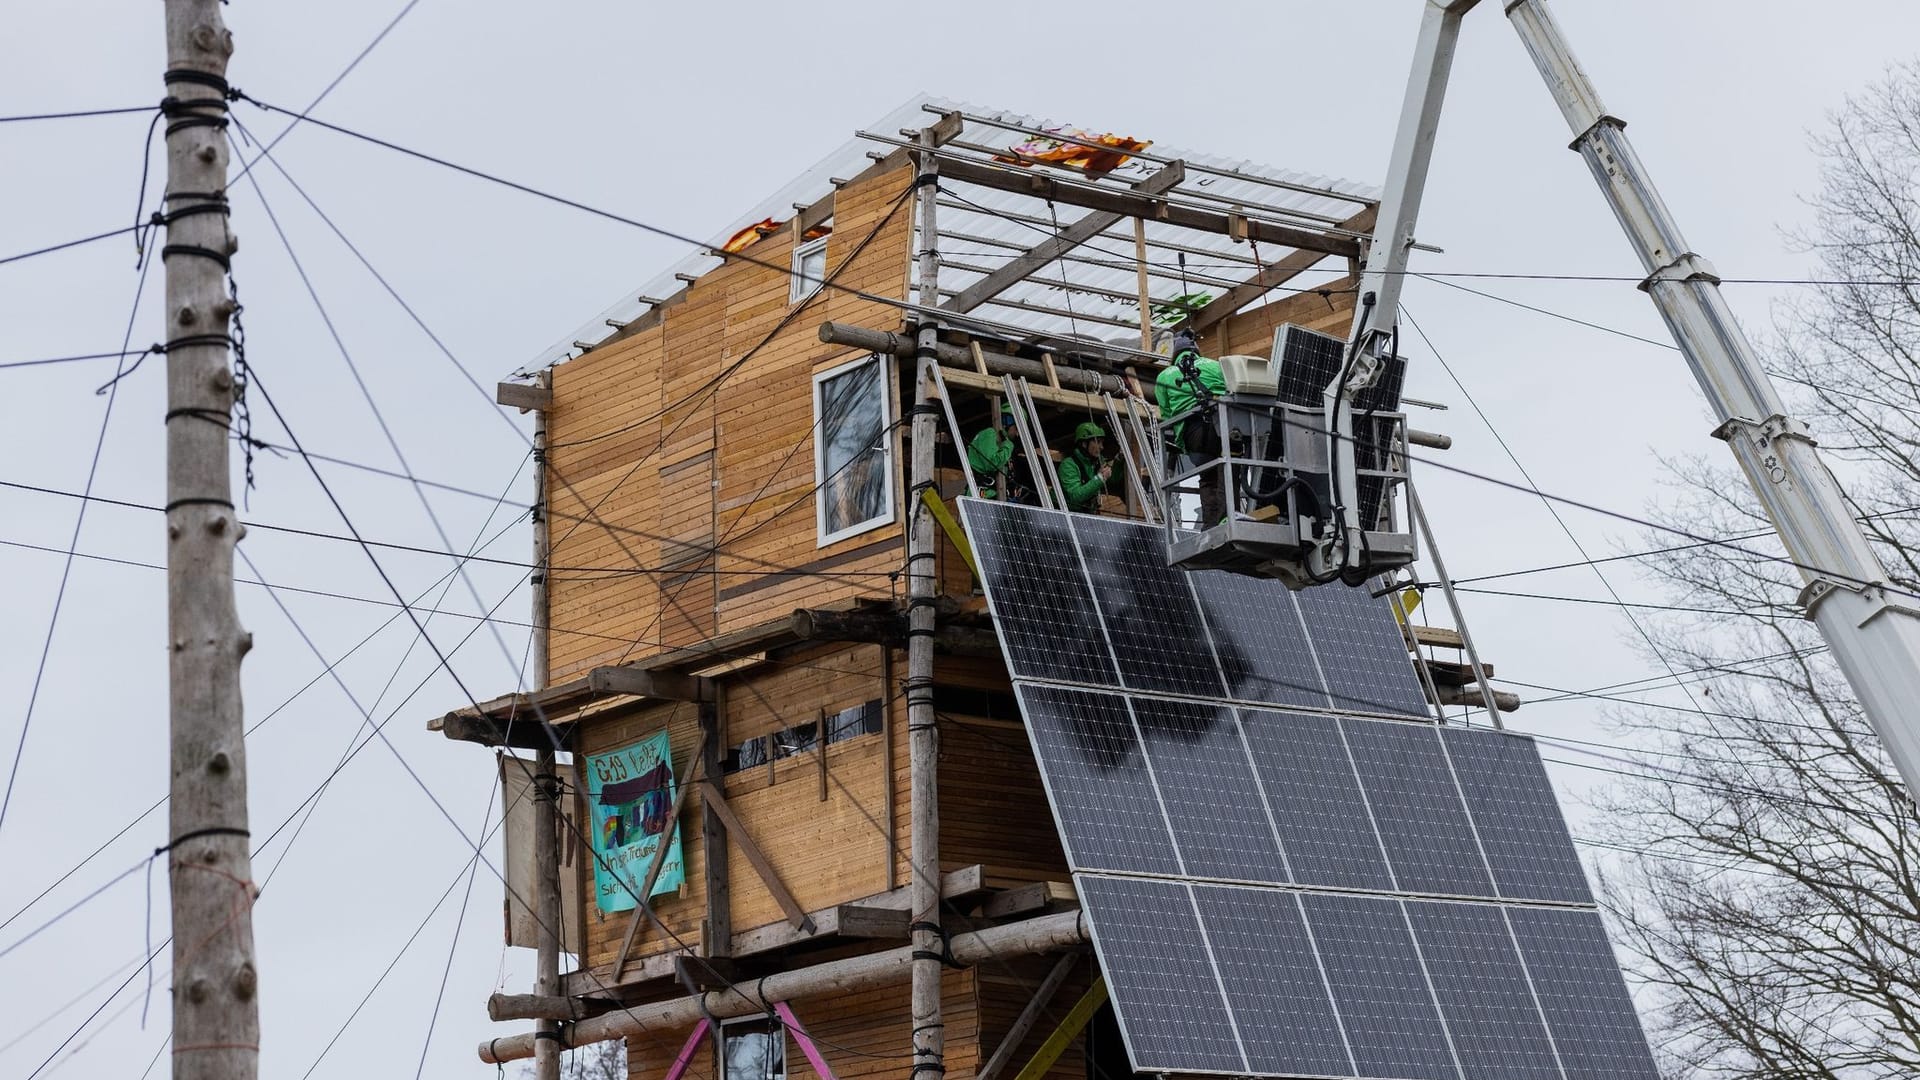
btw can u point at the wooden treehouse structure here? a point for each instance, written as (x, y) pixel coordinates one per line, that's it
(728, 510)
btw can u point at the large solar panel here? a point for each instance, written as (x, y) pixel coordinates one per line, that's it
(1289, 869)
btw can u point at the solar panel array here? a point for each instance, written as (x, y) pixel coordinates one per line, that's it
(1288, 868)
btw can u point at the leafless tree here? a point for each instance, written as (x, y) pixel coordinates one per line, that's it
(1771, 908)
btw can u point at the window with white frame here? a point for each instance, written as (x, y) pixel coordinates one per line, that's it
(852, 449)
(753, 1049)
(809, 269)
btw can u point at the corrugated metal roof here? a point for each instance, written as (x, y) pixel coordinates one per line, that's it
(1088, 295)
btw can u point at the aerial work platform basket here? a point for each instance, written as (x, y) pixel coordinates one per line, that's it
(1253, 478)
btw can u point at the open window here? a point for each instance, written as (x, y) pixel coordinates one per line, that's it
(853, 450)
(753, 1049)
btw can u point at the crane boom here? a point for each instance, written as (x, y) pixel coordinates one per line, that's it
(1872, 627)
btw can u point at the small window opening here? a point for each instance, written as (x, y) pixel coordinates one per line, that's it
(809, 266)
(754, 1049)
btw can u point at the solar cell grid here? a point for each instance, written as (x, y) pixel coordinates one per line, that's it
(1490, 1013)
(1096, 776)
(1256, 631)
(1207, 785)
(1161, 977)
(1578, 982)
(1378, 985)
(1519, 821)
(1148, 609)
(1362, 651)
(1268, 968)
(1417, 808)
(1041, 604)
(1315, 799)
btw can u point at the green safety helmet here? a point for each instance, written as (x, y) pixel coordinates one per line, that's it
(1006, 413)
(1088, 430)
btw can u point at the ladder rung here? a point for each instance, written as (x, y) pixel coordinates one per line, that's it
(1438, 636)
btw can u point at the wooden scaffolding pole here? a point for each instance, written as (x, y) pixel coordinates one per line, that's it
(546, 779)
(216, 1014)
(923, 742)
(1046, 933)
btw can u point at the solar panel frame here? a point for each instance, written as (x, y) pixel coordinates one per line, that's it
(1343, 805)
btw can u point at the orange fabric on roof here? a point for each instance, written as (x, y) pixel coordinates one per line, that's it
(1113, 151)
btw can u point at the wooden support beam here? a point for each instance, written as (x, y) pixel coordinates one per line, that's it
(861, 921)
(1043, 185)
(1069, 1029)
(1048, 933)
(1046, 251)
(1039, 896)
(665, 685)
(1047, 395)
(703, 973)
(644, 903)
(866, 918)
(1029, 1016)
(711, 796)
(1271, 277)
(993, 362)
(527, 397)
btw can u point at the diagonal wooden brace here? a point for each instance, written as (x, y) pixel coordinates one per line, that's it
(737, 829)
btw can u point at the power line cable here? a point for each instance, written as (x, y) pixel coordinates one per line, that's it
(73, 543)
(77, 114)
(72, 243)
(776, 570)
(71, 359)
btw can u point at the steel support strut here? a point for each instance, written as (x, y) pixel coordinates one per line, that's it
(1371, 342)
(1875, 639)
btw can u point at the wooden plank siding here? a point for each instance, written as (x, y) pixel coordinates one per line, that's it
(653, 466)
(1250, 332)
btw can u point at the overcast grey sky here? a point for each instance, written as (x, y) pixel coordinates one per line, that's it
(684, 115)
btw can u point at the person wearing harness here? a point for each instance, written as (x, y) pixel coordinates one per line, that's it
(1083, 472)
(1190, 380)
(990, 456)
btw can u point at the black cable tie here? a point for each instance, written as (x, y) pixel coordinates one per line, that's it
(922, 601)
(925, 408)
(211, 830)
(927, 179)
(920, 555)
(553, 1035)
(920, 631)
(195, 339)
(170, 216)
(196, 77)
(226, 264)
(211, 416)
(177, 503)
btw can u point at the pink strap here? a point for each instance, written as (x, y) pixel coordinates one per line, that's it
(686, 1052)
(819, 1063)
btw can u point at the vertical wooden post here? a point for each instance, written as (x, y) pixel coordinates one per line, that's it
(1146, 301)
(546, 792)
(923, 742)
(716, 937)
(216, 1013)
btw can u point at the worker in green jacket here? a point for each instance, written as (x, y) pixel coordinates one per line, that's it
(990, 456)
(1084, 474)
(1179, 387)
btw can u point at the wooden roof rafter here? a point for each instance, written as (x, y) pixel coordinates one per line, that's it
(1046, 251)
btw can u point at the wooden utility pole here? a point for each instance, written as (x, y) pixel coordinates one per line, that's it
(923, 737)
(216, 1017)
(546, 779)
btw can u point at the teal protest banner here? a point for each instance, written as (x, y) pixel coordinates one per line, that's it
(630, 792)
